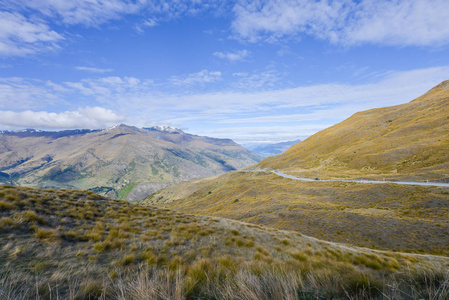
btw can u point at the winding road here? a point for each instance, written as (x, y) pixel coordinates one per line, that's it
(364, 181)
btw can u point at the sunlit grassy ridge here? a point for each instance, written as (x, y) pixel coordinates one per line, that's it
(387, 216)
(78, 245)
(407, 141)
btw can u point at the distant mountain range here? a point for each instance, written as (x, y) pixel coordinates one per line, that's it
(266, 150)
(121, 162)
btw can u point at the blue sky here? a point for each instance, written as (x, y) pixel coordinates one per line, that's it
(254, 71)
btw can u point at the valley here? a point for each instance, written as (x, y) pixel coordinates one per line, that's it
(224, 150)
(405, 143)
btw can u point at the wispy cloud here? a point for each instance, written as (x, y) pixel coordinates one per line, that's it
(93, 70)
(346, 22)
(233, 56)
(23, 30)
(88, 117)
(264, 134)
(147, 23)
(256, 80)
(244, 115)
(86, 12)
(20, 36)
(27, 25)
(19, 93)
(201, 77)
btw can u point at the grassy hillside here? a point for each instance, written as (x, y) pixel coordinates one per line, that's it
(387, 216)
(407, 141)
(78, 245)
(123, 162)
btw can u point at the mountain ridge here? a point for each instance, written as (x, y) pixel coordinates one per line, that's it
(116, 160)
(405, 141)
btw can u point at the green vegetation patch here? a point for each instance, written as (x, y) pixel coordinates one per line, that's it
(124, 191)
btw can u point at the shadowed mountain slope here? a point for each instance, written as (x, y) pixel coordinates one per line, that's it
(121, 162)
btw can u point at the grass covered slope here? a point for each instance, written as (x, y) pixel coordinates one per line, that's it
(78, 245)
(404, 141)
(387, 216)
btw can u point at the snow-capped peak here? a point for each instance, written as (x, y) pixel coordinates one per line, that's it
(112, 127)
(165, 128)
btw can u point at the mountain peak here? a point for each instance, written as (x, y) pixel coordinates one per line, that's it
(122, 128)
(165, 128)
(121, 125)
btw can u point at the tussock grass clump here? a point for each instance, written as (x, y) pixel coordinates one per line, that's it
(31, 216)
(5, 205)
(46, 234)
(127, 251)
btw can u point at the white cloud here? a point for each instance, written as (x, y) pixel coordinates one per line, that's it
(106, 87)
(210, 113)
(93, 70)
(233, 56)
(264, 134)
(23, 30)
(20, 36)
(277, 18)
(86, 12)
(146, 23)
(416, 22)
(201, 77)
(88, 117)
(256, 80)
(316, 113)
(347, 22)
(96, 12)
(150, 23)
(19, 93)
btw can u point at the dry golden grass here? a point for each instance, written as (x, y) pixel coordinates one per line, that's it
(77, 245)
(407, 141)
(385, 216)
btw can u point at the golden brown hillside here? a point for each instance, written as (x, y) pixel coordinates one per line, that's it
(386, 216)
(404, 141)
(78, 245)
(408, 141)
